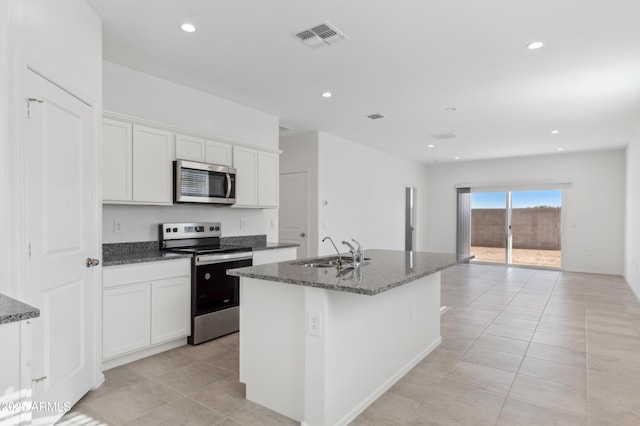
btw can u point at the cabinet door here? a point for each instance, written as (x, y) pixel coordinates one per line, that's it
(218, 153)
(262, 257)
(268, 179)
(190, 148)
(153, 153)
(245, 161)
(170, 309)
(116, 160)
(126, 324)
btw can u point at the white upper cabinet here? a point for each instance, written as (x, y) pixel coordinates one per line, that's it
(218, 152)
(245, 161)
(153, 155)
(117, 157)
(268, 178)
(138, 163)
(190, 148)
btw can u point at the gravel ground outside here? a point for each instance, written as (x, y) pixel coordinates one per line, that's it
(550, 258)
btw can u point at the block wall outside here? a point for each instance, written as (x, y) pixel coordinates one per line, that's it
(536, 228)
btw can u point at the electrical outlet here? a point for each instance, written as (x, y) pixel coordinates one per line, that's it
(314, 323)
(117, 226)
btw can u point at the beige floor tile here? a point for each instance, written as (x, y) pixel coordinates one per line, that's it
(549, 394)
(192, 377)
(519, 413)
(392, 407)
(480, 376)
(228, 360)
(562, 340)
(82, 414)
(557, 354)
(453, 403)
(160, 364)
(181, 412)
(615, 345)
(509, 331)
(126, 404)
(516, 322)
(492, 358)
(504, 344)
(555, 372)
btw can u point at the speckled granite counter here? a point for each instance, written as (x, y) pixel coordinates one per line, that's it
(386, 269)
(138, 252)
(148, 251)
(12, 310)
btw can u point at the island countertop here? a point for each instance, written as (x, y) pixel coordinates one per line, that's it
(387, 269)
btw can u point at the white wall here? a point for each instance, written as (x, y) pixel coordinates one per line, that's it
(300, 154)
(365, 193)
(140, 223)
(593, 203)
(63, 41)
(142, 95)
(632, 216)
(5, 264)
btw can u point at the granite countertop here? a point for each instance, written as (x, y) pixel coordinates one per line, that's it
(149, 251)
(140, 257)
(12, 310)
(386, 269)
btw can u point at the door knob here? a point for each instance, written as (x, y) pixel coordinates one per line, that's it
(303, 234)
(92, 262)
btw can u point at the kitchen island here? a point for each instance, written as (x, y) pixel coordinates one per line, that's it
(320, 344)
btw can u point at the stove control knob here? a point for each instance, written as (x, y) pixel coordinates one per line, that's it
(211, 228)
(175, 229)
(217, 228)
(168, 230)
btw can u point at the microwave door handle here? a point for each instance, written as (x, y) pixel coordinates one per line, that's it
(228, 185)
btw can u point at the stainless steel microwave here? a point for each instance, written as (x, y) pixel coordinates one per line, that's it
(204, 183)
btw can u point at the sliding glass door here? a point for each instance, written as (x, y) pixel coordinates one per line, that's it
(517, 227)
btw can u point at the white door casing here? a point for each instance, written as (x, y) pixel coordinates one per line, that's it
(60, 212)
(293, 211)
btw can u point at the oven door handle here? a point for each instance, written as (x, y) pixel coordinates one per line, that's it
(228, 185)
(221, 258)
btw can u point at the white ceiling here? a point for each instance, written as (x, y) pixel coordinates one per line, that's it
(409, 60)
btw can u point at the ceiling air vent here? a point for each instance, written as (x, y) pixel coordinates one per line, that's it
(375, 116)
(443, 136)
(320, 35)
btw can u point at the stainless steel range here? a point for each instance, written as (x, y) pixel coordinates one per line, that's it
(215, 296)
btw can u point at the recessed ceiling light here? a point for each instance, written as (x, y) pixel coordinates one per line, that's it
(430, 145)
(535, 45)
(188, 28)
(456, 158)
(326, 94)
(555, 132)
(451, 109)
(561, 149)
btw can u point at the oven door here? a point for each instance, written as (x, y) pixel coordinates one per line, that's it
(204, 183)
(214, 290)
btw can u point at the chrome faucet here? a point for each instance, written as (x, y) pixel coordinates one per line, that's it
(360, 251)
(354, 254)
(357, 255)
(337, 251)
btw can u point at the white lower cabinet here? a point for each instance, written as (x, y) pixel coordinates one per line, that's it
(262, 257)
(145, 309)
(169, 320)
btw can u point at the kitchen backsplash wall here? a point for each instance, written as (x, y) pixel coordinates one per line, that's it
(140, 223)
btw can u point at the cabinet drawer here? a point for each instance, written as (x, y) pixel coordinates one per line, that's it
(128, 274)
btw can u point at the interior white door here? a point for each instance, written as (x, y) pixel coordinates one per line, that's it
(60, 181)
(292, 214)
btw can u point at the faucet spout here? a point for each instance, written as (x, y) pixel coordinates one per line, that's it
(354, 254)
(336, 248)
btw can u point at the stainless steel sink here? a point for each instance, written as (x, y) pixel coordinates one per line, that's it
(330, 262)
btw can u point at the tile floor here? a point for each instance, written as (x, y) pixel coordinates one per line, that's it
(520, 347)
